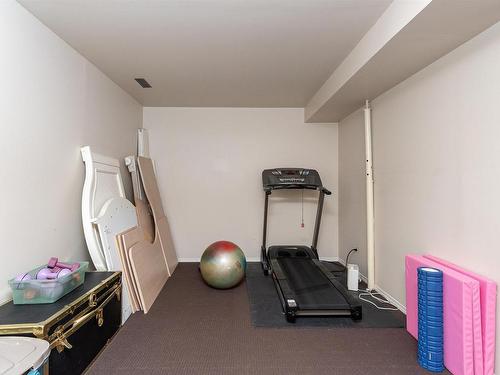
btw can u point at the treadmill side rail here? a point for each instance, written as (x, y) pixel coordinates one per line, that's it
(264, 258)
(290, 310)
(285, 293)
(266, 268)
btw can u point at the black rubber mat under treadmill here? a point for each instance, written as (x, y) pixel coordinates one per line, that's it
(266, 311)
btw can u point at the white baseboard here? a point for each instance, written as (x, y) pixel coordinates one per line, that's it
(250, 259)
(188, 260)
(253, 259)
(386, 295)
(330, 259)
(5, 296)
(391, 299)
(340, 260)
(363, 278)
(196, 260)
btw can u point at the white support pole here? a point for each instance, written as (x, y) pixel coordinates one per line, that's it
(370, 242)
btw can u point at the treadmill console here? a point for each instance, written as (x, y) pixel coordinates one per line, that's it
(291, 178)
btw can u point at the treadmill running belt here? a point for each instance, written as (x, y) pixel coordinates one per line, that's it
(312, 289)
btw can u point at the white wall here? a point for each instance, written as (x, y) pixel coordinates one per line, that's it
(52, 102)
(352, 191)
(209, 163)
(436, 159)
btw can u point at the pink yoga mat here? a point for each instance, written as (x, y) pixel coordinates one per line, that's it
(461, 314)
(488, 293)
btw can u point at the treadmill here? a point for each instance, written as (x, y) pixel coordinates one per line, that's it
(304, 285)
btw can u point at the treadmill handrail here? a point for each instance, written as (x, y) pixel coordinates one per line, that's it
(297, 186)
(291, 187)
(326, 191)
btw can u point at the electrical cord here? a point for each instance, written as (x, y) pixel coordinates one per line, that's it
(372, 294)
(348, 255)
(347, 261)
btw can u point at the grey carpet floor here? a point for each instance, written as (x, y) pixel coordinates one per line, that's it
(193, 329)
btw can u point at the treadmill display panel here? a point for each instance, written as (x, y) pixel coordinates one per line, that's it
(291, 178)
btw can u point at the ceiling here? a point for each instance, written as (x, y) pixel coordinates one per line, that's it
(213, 53)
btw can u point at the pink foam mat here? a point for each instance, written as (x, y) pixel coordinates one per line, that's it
(488, 295)
(461, 316)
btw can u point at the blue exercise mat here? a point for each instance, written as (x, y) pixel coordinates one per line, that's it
(430, 319)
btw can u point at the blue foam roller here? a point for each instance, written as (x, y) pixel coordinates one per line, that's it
(430, 319)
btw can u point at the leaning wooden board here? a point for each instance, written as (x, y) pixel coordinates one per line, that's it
(144, 214)
(127, 276)
(116, 216)
(126, 240)
(162, 228)
(150, 271)
(145, 218)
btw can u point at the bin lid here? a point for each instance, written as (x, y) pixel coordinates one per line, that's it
(19, 354)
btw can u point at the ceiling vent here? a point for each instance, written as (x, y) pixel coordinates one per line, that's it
(144, 84)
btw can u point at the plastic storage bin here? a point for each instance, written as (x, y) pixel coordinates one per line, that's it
(23, 355)
(46, 291)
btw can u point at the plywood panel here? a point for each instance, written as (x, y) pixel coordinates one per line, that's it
(153, 195)
(167, 244)
(129, 239)
(149, 247)
(150, 271)
(144, 213)
(145, 218)
(150, 186)
(116, 216)
(127, 272)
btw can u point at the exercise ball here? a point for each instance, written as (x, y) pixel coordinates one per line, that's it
(223, 265)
